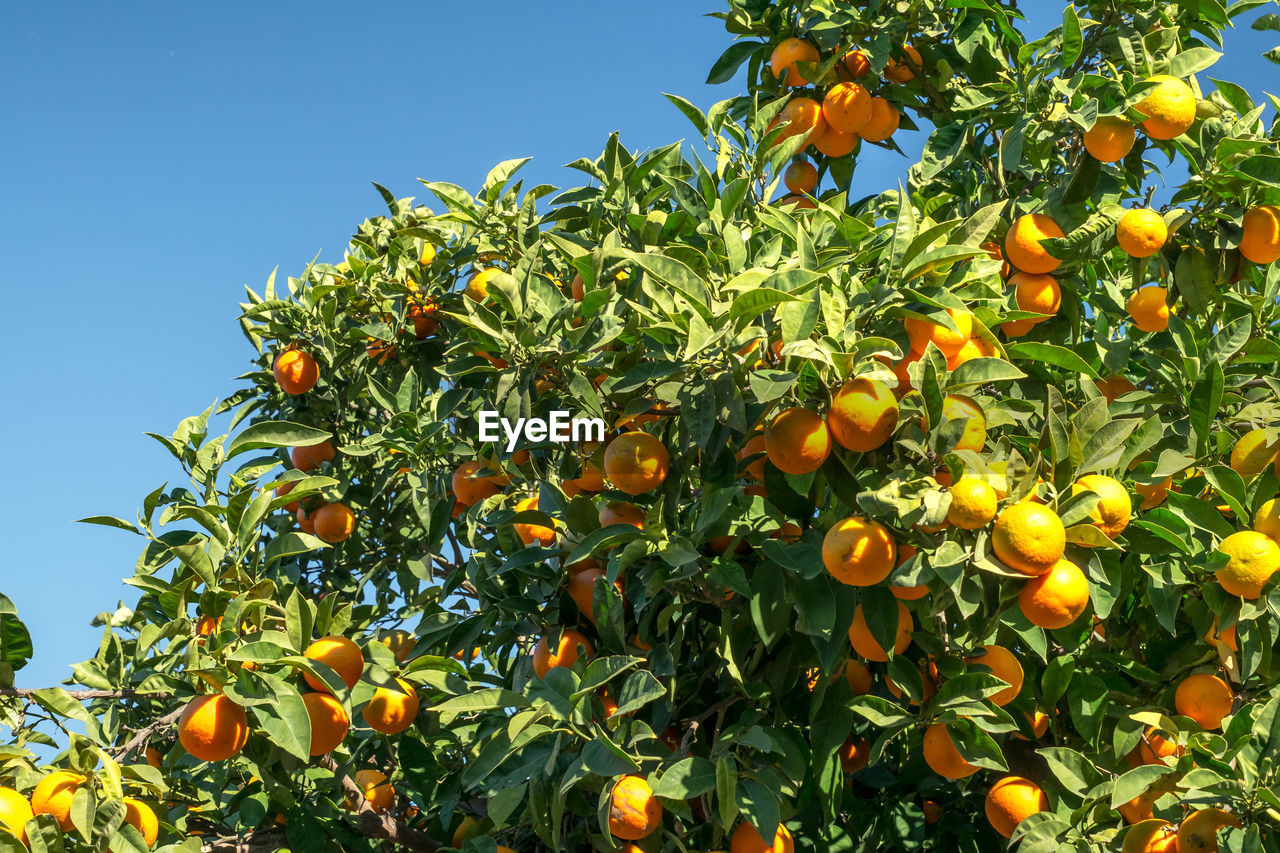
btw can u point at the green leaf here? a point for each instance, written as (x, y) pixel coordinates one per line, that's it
(980, 371)
(1190, 61)
(1058, 356)
(275, 434)
(1206, 398)
(731, 60)
(639, 690)
(1195, 277)
(1136, 782)
(686, 779)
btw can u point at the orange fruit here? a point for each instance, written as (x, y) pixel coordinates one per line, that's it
(884, 121)
(400, 642)
(863, 415)
(923, 332)
(1227, 637)
(1039, 722)
(858, 676)
(1029, 538)
(565, 654)
(865, 644)
(958, 407)
(928, 684)
(1153, 836)
(284, 489)
(1012, 800)
(477, 288)
(1252, 558)
(973, 503)
(392, 711)
(306, 525)
(1205, 698)
(1115, 387)
(1056, 598)
(900, 370)
(855, 755)
(1003, 665)
(334, 522)
(1252, 454)
(1110, 139)
(329, 722)
(634, 812)
(53, 795)
(1022, 244)
(797, 441)
(1199, 832)
(153, 756)
(973, 348)
(783, 59)
(900, 72)
(747, 839)
(801, 177)
(140, 816)
(296, 372)
(1148, 308)
(1032, 292)
(833, 143)
(858, 552)
(1260, 242)
(636, 462)
(15, 811)
(801, 116)
(1170, 108)
(847, 107)
(213, 728)
(374, 788)
(312, 456)
(797, 202)
(341, 655)
(1114, 508)
(1153, 494)
(591, 480)
(528, 532)
(941, 755)
(1154, 748)
(1141, 232)
(474, 481)
(932, 811)
(1267, 519)
(622, 513)
(856, 63)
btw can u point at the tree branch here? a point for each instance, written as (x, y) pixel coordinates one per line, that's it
(144, 734)
(383, 826)
(29, 692)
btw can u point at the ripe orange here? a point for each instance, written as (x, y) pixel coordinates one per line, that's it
(1152, 836)
(1029, 538)
(392, 711)
(296, 372)
(1153, 494)
(858, 676)
(858, 552)
(856, 63)
(1252, 559)
(213, 728)
(636, 462)
(474, 481)
(1260, 242)
(1110, 139)
(932, 811)
(941, 755)
(1003, 665)
(884, 121)
(1022, 244)
(958, 407)
(374, 788)
(1199, 832)
(1267, 519)
(1114, 508)
(334, 522)
(591, 480)
(1038, 293)
(802, 117)
(622, 513)
(400, 642)
(1154, 748)
(477, 289)
(565, 654)
(1056, 598)
(1011, 801)
(855, 755)
(1204, 698)
(747, 839)
(15, 811)
(53, 795)
(284, 489)
(928, 684)
(833, 143)
(1039, 722)
(329, 723)
(797, 441)
(312, 456)
(865, 644)
(634, 812)
(306, 525)
(900, 370)
(1252, 454)
(847, 107)
(1170, 108)
(863, 415)
(1141, 232)
(530, 533)
(801, 177)
(785, 56)
(924, 332)
(973, 348)
(900, 72)
(973, 503)
(1148, 308)
(1227, 637)
(140, 816)
(341, 654)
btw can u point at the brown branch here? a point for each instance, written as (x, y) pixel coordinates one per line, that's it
(144, 734)
(29, 692)
(382, 826)
(258, 841)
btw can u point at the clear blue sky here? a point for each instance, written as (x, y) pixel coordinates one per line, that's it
(158, 160)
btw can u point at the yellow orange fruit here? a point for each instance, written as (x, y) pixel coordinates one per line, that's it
(958, 407)
(1205, 698)
(329, 722)
(53, 795)
(801, 177)
(883, 123)
(900, 72)
(941, 755)
(1003, 665)
(1056, 598)
(296, 372)
(1114, 508)
(477, 287)
(634, 812)
(1022, 245)
(747, 839)
(1260, 242)
(1110, 139)
(1252, 558)
(1029, 538)
(1012, 800)
(474, 481)
(15, 811)
(530, 532)
(399, 641)
(1170, 108)
(1038, 293)
(973, 503)
(333, 522)
(1267, 519)
(865, 644)
(374, 788)
(1141, 232)
(863, 415)
(1151, 836)
(140, 816)
(565, 653)
(341, 654)
(636, 462)
(1253, 454)
(923, 332)
(797, 441)
(847, 107)
(858, 552)
(391, 711)
(213, 728)
(1199, 832)
(783, 59)
(832, 142)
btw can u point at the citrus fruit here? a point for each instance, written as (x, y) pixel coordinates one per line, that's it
(1003, 665)
(311, 456)
(341, 655)
(1056, 598)
(1151, 836)
(1029, 538)
(15, 811)
(618, 512)
(1267, 519)
(847, 107)
(1114, 508)
(923, 332)
(296, 372)
(1170, 108)
(1110, 139)
(783, 59)
(1204, 698)
(565, 653)
(900, 72)
(1141, 233)
(797, 441)
(1199, 832)
(957, 407)
(941, 755)
(636, 462)
(973, 503)
(634, 812)
(865, 644)
(1012, 800)
(333, 522)
(474, 481)
(53, 795)
(1252, 454)
(747, 839)
(1022, 244)
(391, 711)
(213, 728)
(530, 532)
(801, 177)
(883, 123)
(329, 722)
(477, 287)
(1032, 292)
(1252, 559)
(858, 552)
(374, 788)
(1260, 242)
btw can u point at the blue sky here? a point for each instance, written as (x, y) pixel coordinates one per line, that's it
(156, 163)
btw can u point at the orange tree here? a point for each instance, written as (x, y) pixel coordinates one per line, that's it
(918, 521)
